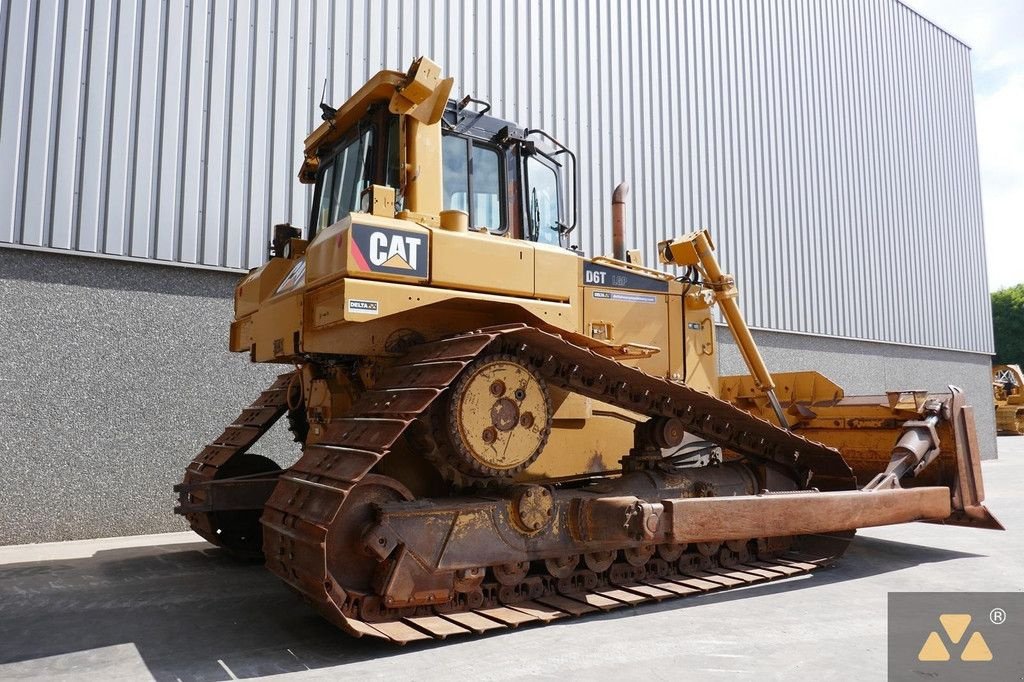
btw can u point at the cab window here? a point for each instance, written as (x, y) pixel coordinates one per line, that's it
(455, 178)
(542, 202)
(486, 209)
(343, 179)
(472, 182)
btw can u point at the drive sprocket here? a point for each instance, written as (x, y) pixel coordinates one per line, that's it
(496, 420)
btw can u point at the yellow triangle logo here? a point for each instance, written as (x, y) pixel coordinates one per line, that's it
(396, 261)
(933, 649)
(955, 625)
(976, 649)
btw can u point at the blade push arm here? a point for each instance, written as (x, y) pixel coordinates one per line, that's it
(697, 249)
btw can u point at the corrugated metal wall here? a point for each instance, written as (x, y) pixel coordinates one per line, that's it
(829, 144)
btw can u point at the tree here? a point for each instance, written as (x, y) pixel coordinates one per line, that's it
(1008, 324)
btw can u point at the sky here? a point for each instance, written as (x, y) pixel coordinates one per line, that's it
(994, 29)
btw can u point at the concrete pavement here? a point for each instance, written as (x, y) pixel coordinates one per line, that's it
(169, 607)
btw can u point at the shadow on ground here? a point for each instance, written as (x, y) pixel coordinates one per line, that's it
(194, 613)
(191, 611)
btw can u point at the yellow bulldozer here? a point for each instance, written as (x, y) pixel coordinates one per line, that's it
(1008, 394)
(496, 428)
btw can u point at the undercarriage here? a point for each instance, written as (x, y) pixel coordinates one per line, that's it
(709, 497)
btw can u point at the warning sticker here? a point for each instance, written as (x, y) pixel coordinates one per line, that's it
(629, 298)
(364, 307)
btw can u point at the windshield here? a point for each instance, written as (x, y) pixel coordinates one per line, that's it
(542, 198)
(343, 179)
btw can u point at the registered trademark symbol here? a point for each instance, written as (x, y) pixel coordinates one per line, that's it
(997, 616)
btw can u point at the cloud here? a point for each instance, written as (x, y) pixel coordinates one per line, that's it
(994, 30)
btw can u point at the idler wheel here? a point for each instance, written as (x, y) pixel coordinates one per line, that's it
(239, 530)
(498, 418)
(349, 563)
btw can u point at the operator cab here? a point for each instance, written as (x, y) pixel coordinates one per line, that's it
(508, 180)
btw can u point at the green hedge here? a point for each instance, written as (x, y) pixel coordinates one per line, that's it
(1008, 323)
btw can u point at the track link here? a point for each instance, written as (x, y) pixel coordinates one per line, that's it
(299, 516)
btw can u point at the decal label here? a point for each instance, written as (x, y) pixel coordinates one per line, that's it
(296, 277)
(629, 298)
(603, 276)
(362, 307)
(390, 251)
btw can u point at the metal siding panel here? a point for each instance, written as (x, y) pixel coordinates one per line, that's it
(238, 138)
(907, 208)
(18, 77)
(875, 308)
(821, 253)
(194, 169)
(777, 259)
(120, 139)
(301, 106)
(217, 137)
(173, 132)
(281, 178)
(91, 214)
(146, 165)
(70, 108)
(972, 182)
(45, 86)
(756, 184)
(744, 225)
(262, 135)
(896, 162)
(799, 182)
(830, 146)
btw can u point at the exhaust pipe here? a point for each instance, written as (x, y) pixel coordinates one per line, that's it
(619, 221)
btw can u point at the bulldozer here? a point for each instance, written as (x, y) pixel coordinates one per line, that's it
(1008, 394)
(497, 429)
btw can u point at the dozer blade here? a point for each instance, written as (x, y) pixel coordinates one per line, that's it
(968, 491)
(902, 440)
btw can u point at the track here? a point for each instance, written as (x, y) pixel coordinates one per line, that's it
(239, 436)
(549, 603)
(301, 539)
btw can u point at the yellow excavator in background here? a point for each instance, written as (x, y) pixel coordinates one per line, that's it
(1008, 394)
(496, 428)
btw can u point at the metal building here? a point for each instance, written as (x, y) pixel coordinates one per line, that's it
(829, 145)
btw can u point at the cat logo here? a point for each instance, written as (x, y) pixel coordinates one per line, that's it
(394, 251)
(391, 251)
(955, 625)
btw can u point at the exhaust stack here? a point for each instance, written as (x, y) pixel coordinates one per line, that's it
(619, 221)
